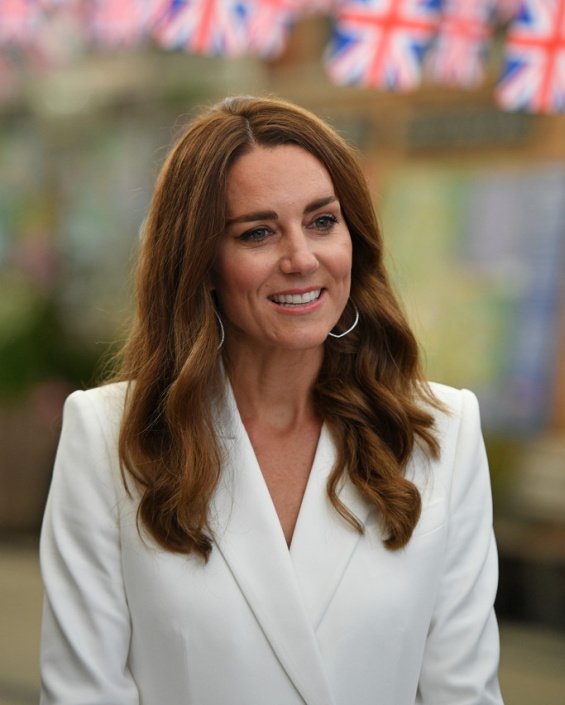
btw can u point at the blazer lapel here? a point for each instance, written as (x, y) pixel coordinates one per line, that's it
(250, 538)
(323, 542)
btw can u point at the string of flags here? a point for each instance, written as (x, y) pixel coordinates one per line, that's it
(384, 44)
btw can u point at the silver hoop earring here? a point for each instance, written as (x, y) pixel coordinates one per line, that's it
(351, 327)
(222, 331)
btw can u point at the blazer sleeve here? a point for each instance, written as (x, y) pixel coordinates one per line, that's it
(462, 649)
(86, 625)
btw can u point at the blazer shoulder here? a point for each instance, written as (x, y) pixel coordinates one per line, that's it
(457, 424)
(107, 394)
(456, 403)
(103, 405)
(108, 398)
(449, 396)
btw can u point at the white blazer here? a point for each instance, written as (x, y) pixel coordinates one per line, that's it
(336, 620)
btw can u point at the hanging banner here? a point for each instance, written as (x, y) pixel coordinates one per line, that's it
(383, 44)
(533, 77)
(459, 51)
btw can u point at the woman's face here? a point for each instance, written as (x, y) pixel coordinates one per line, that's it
(283, 270)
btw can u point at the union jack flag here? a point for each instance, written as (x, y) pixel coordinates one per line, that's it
(19, 21)
(119, 22)
(458, 55)
(270, 22)
(533, 77)
(381, 43)
(209, 27)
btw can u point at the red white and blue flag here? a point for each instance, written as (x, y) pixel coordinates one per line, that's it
(533, 77)
(208, 27)
(119, 22)
(228, 27)
(459, 52)
(381, 43)
(269, 25)
(19, 21)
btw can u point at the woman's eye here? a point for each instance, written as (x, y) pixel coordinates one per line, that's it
(255, 235)
(325, 222)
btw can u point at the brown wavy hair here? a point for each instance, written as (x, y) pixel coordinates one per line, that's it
(370, 390)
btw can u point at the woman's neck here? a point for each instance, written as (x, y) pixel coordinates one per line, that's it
(274, 387)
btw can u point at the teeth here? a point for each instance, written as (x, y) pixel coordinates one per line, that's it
(297, 299)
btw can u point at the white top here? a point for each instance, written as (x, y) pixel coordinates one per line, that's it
(336, 620)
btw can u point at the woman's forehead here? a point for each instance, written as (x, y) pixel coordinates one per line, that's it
(266, 173)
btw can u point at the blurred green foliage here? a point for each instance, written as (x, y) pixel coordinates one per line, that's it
(35, 342)
(503, 455)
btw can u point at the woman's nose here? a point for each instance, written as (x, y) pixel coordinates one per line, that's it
(297, 256)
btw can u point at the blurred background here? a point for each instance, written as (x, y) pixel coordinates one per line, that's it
(463, 145)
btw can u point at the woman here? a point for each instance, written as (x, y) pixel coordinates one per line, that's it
(271, 505)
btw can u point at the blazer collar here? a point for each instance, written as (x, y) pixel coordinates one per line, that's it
(323, 541)
(288, 591)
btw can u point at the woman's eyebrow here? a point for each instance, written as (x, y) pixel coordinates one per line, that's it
(319, 203)
(249, 217)
(272, 215)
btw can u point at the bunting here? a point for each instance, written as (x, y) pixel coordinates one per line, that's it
(206, 27)
(19, 21)
(270, 22)
(119, 22)
(381, 43)
(533, 77)
(459, 52)
(384, 44)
